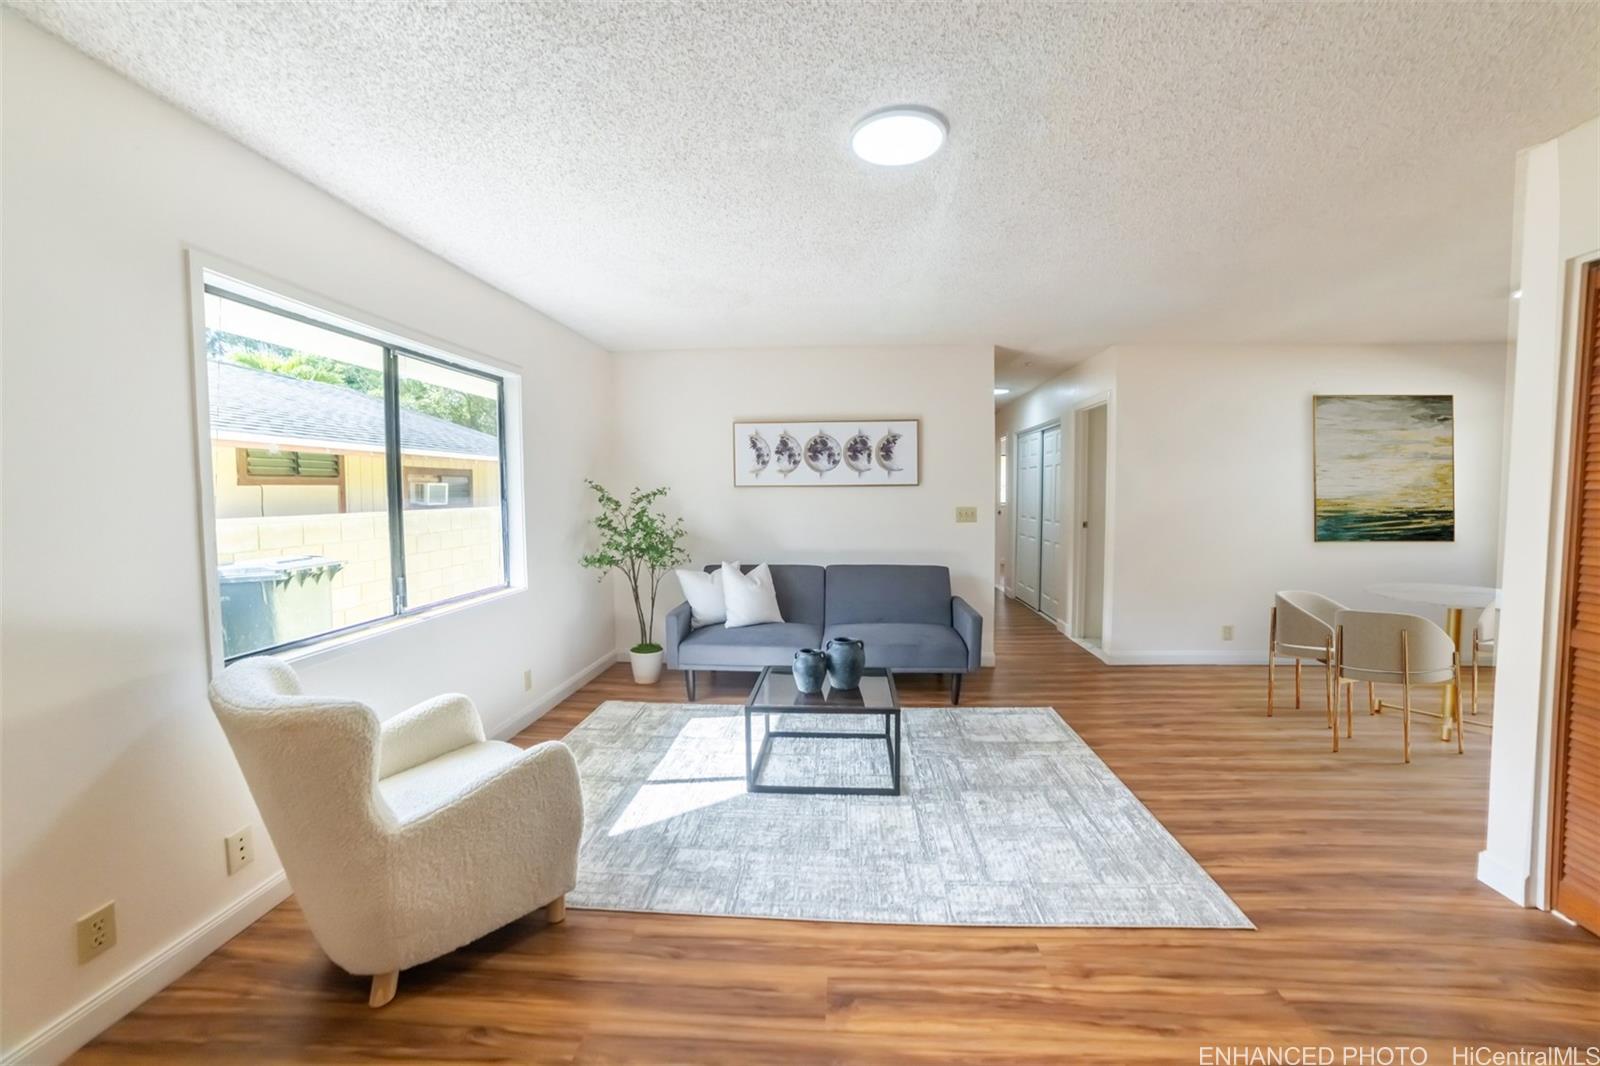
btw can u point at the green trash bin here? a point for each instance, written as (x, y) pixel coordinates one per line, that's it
(267, 602)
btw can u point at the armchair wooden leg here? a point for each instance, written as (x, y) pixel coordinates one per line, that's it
(555, 912)
(1297, 684)
(383, 988)
(955, 689)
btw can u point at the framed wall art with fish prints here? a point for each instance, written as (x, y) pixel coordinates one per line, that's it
(820, 452)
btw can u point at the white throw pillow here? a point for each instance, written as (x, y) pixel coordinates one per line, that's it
(704, 593)
(751, 598)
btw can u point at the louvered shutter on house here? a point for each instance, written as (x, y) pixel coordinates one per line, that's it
(259, 462)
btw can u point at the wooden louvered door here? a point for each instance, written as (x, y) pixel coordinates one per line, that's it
(1575, 796)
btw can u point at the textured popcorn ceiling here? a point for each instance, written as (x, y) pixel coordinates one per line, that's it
(677, 175)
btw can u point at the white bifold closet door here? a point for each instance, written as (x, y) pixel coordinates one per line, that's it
(1025, 581)
(1052, 563)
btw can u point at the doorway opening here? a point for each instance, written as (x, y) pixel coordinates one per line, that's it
(1092, 425)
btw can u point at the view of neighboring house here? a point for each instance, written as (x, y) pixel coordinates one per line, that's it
(302, 504)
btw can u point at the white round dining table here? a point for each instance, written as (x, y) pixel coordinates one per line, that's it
(1438, 594)
(1454, 599)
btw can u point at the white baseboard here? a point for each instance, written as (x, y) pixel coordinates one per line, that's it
(1089, 646)
(94, 1015)
(559, 693)
(1184, 658)
(1510, 883)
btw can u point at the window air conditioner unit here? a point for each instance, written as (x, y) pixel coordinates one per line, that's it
(430, 493)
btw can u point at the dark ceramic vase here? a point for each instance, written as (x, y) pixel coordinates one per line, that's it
(809, 667)
(846, 659)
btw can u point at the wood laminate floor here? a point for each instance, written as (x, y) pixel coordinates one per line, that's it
(1357, 870)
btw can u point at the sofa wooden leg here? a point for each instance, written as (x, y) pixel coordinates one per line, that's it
(688, 684)
(555, 912)
(383, 988)
(955, 689)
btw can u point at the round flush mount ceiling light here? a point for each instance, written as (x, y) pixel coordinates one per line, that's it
(999, 391)
(897, 136)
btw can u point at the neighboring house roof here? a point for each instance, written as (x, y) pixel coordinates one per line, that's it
(250, 404)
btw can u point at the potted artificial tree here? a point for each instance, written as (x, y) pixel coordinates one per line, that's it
(643, 545)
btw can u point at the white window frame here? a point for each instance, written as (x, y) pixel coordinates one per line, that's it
(205, 268)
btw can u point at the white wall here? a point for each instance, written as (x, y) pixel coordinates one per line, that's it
(1210, 494)
(1214, 488)
(115, 779)
(673, 419)
(1560, 219)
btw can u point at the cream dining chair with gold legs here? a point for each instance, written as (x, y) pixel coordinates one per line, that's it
(1484, 634)
(1389, 648)
(1301, 628)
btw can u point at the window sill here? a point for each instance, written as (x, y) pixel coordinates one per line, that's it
(307, 654)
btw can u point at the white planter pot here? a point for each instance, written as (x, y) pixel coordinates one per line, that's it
(646, 667)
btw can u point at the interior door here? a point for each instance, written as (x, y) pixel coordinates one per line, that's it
(1025, 580)
(1575, 798)
(1091, 625)
(1052, 572)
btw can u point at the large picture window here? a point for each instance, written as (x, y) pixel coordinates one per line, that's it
(353, 479)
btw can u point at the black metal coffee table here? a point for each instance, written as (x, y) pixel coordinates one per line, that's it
(775, 693)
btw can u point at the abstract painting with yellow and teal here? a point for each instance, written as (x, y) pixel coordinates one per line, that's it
(1385, 467)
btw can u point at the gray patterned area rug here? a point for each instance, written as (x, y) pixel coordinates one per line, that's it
(1006, 817)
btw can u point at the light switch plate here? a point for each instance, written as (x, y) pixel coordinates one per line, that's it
(966, 514)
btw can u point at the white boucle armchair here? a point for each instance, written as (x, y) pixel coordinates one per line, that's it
(402, 840)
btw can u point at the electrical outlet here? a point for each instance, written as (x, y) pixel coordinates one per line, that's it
(966, 514)
(97, 932)
(241, 850)
(527, 680)
(1227, 632)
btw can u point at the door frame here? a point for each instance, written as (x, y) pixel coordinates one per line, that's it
(1078, 608)
(1016, 489)
(1002, 511)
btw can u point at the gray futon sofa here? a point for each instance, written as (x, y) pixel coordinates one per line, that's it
(905, 615)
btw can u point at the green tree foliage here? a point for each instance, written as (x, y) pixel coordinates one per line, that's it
(298, 365)
(481, 413)
(642, 545)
